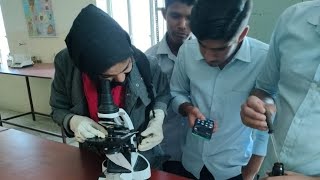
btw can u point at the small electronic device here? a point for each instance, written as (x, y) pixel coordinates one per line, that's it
(203, 128)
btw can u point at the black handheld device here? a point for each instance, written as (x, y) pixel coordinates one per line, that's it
(203, 128)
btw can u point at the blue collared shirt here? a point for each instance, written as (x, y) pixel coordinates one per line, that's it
(164, 56)
(292, 73)
(174, 126)
(219, 95)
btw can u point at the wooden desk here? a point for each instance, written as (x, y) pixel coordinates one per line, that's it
(44, 71)
(24, 156)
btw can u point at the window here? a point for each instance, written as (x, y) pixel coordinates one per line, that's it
(4, 48)
(143, 21)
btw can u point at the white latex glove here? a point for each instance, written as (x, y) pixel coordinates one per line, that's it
(153, 134)
(84, 127)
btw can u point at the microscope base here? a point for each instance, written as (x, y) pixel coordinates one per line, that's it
(141, 170)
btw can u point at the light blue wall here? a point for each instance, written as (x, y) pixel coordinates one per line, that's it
(264, 16)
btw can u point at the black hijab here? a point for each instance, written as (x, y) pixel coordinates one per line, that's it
(96, 42)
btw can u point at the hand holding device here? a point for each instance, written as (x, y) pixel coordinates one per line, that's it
(84, 128)
(203, 128)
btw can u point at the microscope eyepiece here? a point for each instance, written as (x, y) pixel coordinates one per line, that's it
(106, 105)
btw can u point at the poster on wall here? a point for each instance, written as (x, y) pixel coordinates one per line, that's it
(39, 17)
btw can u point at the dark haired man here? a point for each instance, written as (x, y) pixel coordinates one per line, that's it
(177, 15)
(212, 77)
(291, 76)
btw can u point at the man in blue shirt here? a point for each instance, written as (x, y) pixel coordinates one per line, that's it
(212, 77)
(177, 15)
(292, 76)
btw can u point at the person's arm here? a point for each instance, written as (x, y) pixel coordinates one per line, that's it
(251, 169)
(180, 89)
(193, 113)
(153, 134)
(263, 95)
(160, 84)
(79, 126)
(179, 84)
(253, 110)
(59, 100)
(259, 151)
(184, 108)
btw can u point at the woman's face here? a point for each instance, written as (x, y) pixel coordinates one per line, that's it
(117, 72)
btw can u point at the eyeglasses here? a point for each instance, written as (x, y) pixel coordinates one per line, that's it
(126, 70)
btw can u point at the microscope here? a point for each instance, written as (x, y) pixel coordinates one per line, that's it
(120, 145)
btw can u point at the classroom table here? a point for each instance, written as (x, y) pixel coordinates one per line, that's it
(28, 157)
(43, 71)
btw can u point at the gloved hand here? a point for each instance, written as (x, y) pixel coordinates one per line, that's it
(84, 127)
(153, 134)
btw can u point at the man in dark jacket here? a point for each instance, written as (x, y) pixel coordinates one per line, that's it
(98, 47)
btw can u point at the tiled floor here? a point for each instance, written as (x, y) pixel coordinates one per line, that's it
(43, 123)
